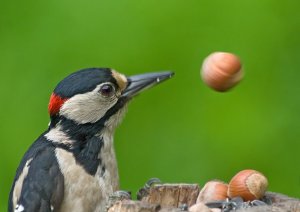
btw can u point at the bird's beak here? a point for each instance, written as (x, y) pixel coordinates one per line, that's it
(138, 83)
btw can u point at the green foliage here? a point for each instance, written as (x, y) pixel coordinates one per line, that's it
(180, 131)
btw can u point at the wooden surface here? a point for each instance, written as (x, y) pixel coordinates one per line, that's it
(172, 195)
(176, 197)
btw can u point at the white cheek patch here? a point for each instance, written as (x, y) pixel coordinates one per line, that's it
(88, 107)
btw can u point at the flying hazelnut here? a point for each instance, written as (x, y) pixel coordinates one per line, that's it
(248, 184)
(221, 71)
(213, 190)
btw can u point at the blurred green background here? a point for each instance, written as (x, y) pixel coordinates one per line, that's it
(180, 131)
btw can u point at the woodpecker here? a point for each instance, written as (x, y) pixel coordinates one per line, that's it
(72, 166)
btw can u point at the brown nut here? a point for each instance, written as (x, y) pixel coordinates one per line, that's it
(248, 184)
(213, 190)
(221, 71)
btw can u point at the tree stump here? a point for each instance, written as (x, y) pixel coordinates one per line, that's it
(180, 197)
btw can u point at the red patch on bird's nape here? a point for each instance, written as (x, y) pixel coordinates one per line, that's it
(55, 103)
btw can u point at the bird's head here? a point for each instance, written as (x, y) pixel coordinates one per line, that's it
(96, 95)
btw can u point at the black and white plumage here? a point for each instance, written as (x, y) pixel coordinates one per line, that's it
(72, 165)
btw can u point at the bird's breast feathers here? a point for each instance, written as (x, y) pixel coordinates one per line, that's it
(83, 192)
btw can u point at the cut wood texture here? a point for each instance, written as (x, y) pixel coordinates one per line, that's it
(172, 195)
(179, 197)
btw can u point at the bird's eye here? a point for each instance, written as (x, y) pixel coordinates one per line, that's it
(107, 90)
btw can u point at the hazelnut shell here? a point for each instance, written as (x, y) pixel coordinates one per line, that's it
(248, 184)
(213, 190)
(221, 71)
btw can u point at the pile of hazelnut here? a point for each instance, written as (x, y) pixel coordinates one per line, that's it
(246, 188)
